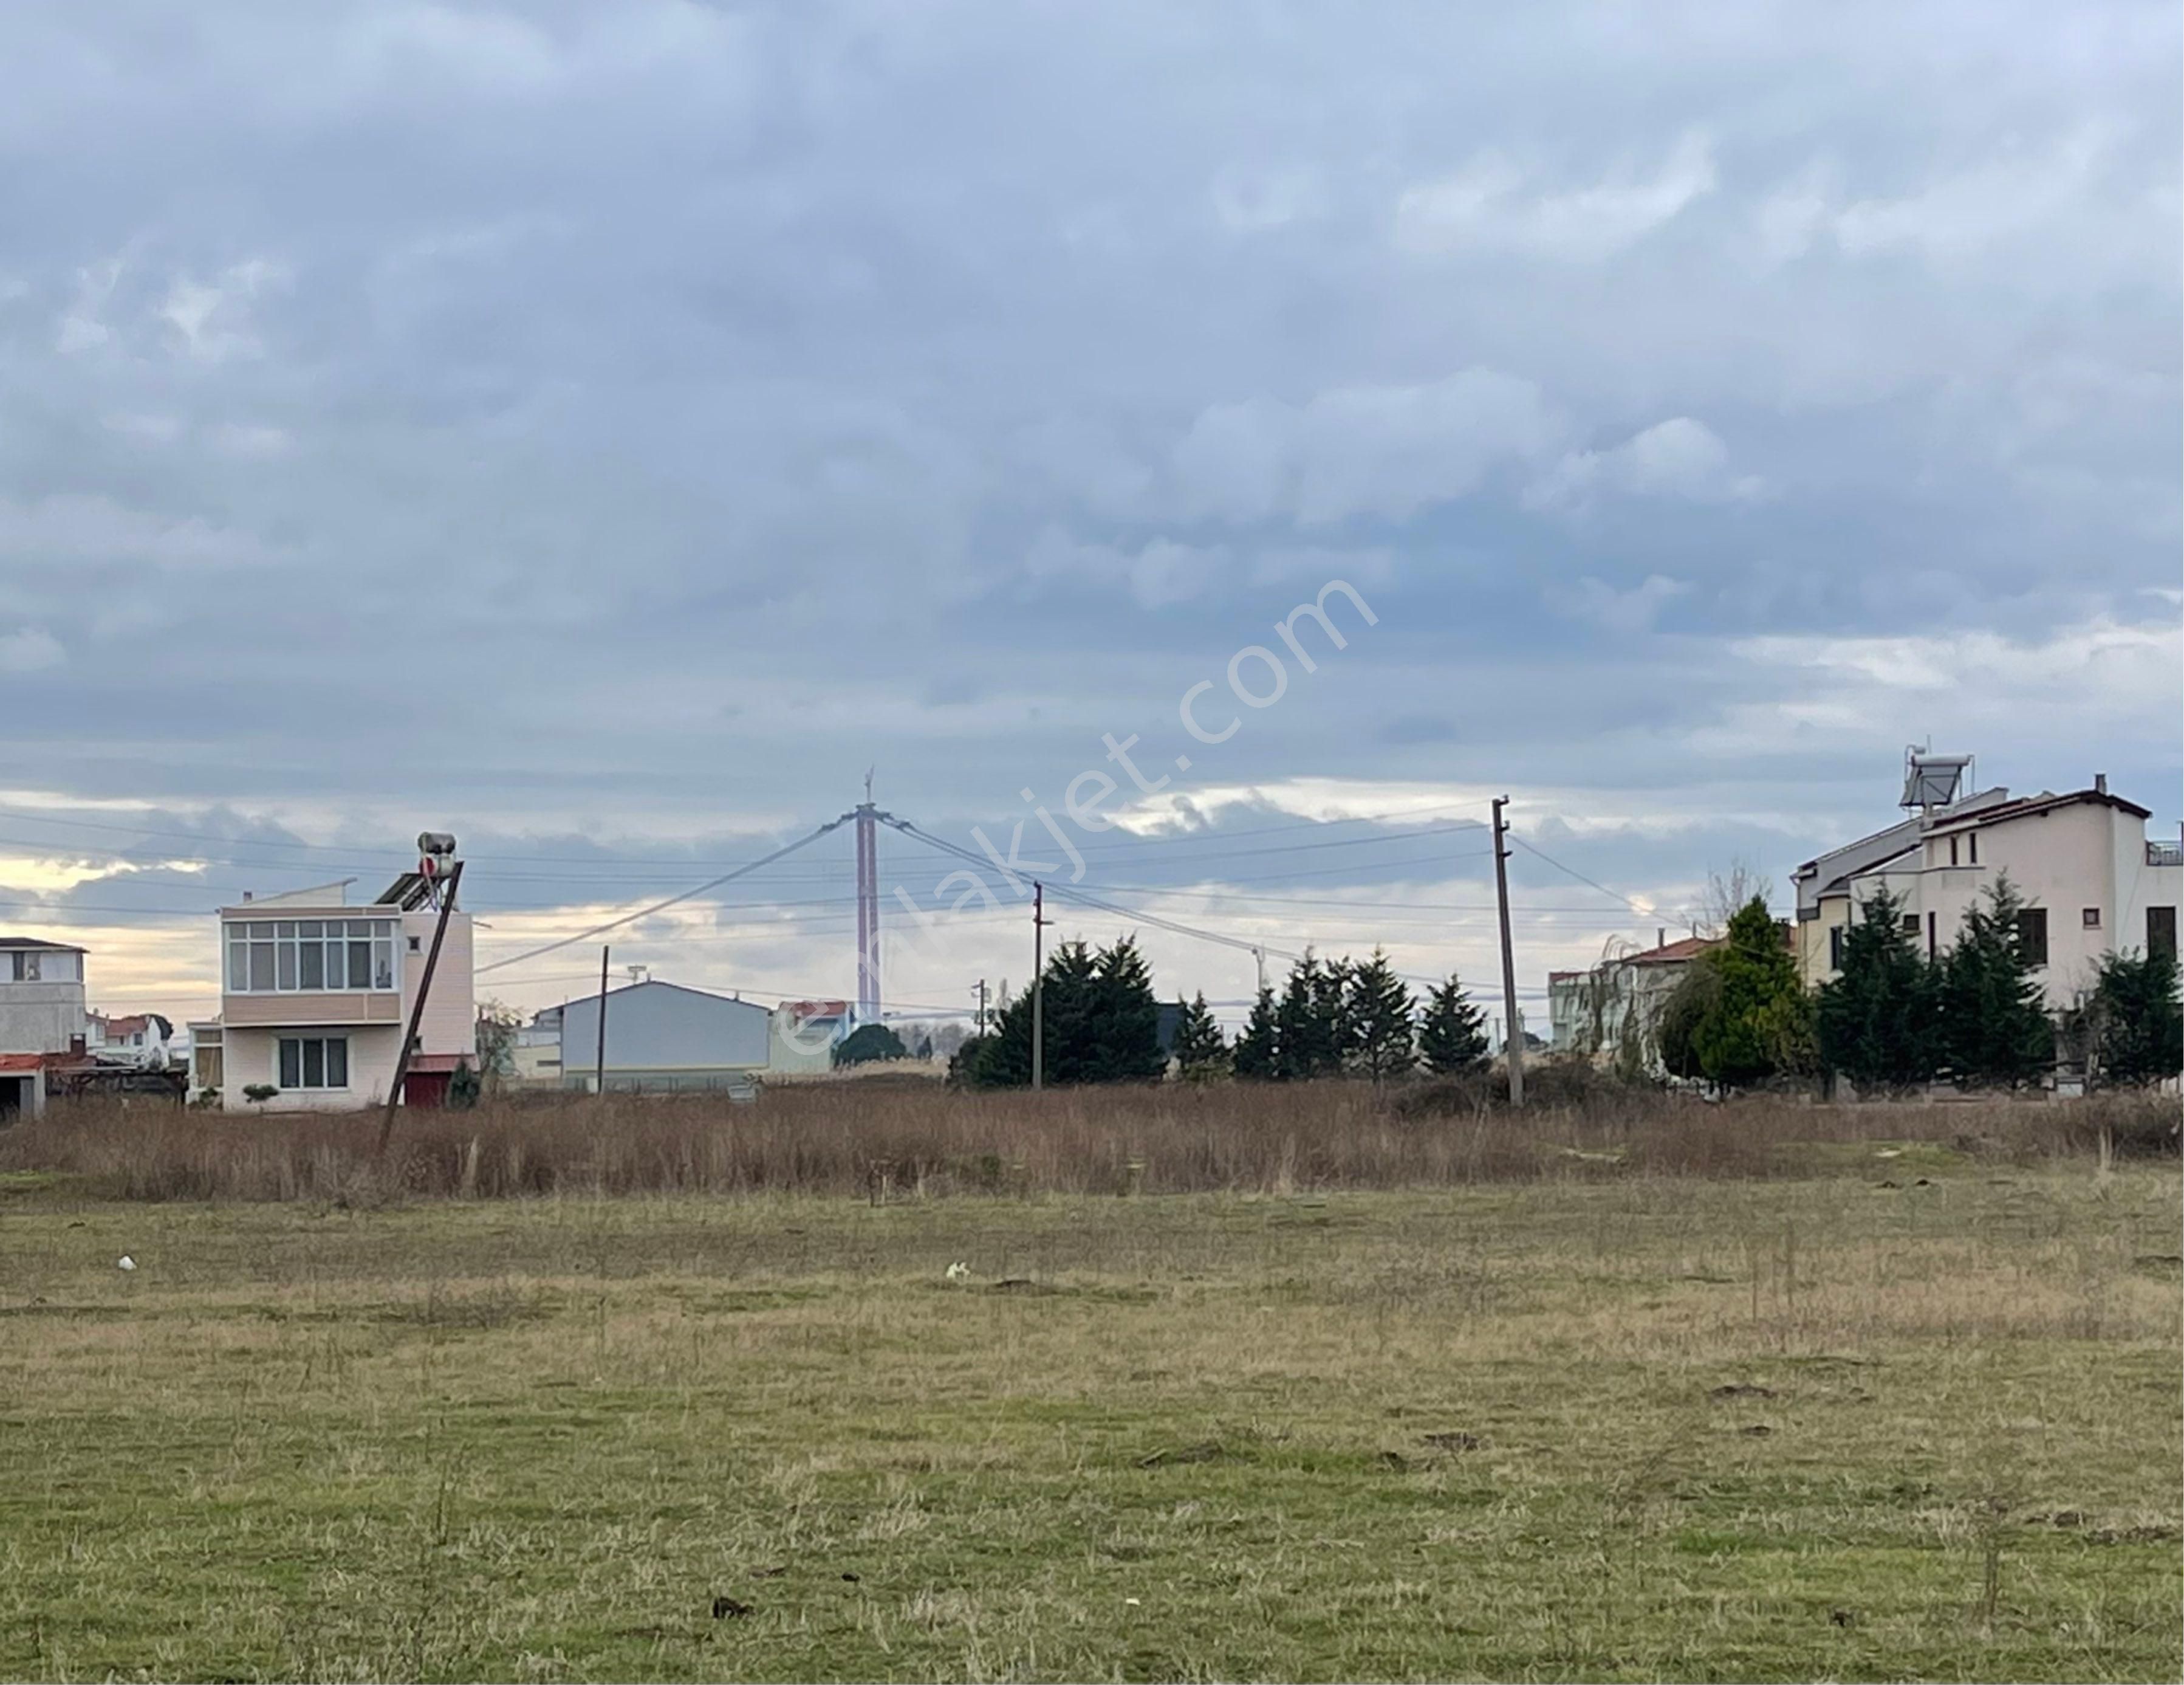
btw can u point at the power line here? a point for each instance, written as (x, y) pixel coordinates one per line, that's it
(662, 906)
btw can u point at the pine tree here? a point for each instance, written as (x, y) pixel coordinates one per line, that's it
(2138, 1033)
(1299, 1045)
(1123, 1020)
(1066, 1013)
(1738, 1042)
(1257, 1053)
(1876, 1023)
(1377, 1008)
(1995, 1027)
(1452, 1033)
(1201, 1053)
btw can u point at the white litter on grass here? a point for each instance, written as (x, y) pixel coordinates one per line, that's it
(1888, 1153)
(959, 1272)
(1134, 1603)
(126, 1262)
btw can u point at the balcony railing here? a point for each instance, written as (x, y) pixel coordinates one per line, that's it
(2164, 854)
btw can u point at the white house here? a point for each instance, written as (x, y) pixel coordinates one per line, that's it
(139, 1039)
(315, 993)
(42, 1009)
(1613, 1011)
(2092, 881)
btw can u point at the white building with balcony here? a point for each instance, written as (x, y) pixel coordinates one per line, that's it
(2091, 880)
(315, 993)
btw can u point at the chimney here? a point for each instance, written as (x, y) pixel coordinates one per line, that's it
(1660, 936)
(75, 1047)
(2100, 783)
(246, 894)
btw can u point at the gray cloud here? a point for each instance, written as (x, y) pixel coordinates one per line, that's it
(634, 423)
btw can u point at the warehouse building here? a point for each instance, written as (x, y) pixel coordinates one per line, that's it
(663, 1038)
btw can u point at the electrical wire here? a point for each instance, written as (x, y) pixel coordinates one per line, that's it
(662, 906)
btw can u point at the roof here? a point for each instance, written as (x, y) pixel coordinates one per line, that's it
(1826, 874)
(14, 1063)
(125, 1026)
(34, 942)
(680, 989)
(318, 895)
(1673, 953)
(2029, 806)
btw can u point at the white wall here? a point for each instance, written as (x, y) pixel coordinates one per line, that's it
(253, 1057)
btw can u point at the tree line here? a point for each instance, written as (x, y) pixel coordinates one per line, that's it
(1895, 1017)
(1101, 1022)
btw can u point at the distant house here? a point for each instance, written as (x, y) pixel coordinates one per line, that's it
(663, 1038)
(315, 993)
(2092, 882)
(1610, 1014)
(139, 1038)
(535, 1056)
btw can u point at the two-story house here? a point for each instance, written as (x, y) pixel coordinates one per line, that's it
(42, 1015)
(315, 993)
(2092, 882)
(42, 999)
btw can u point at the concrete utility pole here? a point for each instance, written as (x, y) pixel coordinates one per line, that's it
(599, 1069)
(1038, 986)
(1515, 1041)
(417, 1007)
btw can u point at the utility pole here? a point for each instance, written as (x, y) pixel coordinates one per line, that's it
(980, 1020)
(1259, 956)
(599, 1068)
(417, 1007)
(1515, 1041)
(1038, 986)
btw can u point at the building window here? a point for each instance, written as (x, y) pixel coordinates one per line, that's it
(2161, 931)
(24, 969)
(2032, 935)
(314, 1061)
(1835, 947)
(1971, 842)
(2092, 918)
(1911, 925)
(1933, 936)
(1952, 851)
(286, 956)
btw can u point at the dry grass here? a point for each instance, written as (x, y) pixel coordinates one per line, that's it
(875, 1137)
(1645, 1427)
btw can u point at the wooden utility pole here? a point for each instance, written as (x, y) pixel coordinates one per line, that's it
(599, 1066)
(1515, 1040)
(980, 1021)
(417, 1007)
(1038, 986)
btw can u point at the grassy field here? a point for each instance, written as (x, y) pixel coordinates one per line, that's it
(1655, 1427)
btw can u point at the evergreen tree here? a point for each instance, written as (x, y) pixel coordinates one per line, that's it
(1995, 1027)
(1311, 1025)
(1122, 1027)
(2138, 1034)
(1376, 1009)
(1452, 1033)
(868, 1042)
(1201, 1053)
(1100, 1022)
(1257, 1053)
(1876, 1023)
(1738, 1040)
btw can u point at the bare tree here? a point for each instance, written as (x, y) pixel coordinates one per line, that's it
(1726, 893)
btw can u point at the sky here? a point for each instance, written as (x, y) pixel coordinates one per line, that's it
(606, 433)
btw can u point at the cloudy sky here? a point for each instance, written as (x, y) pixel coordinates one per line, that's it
(605, 431)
